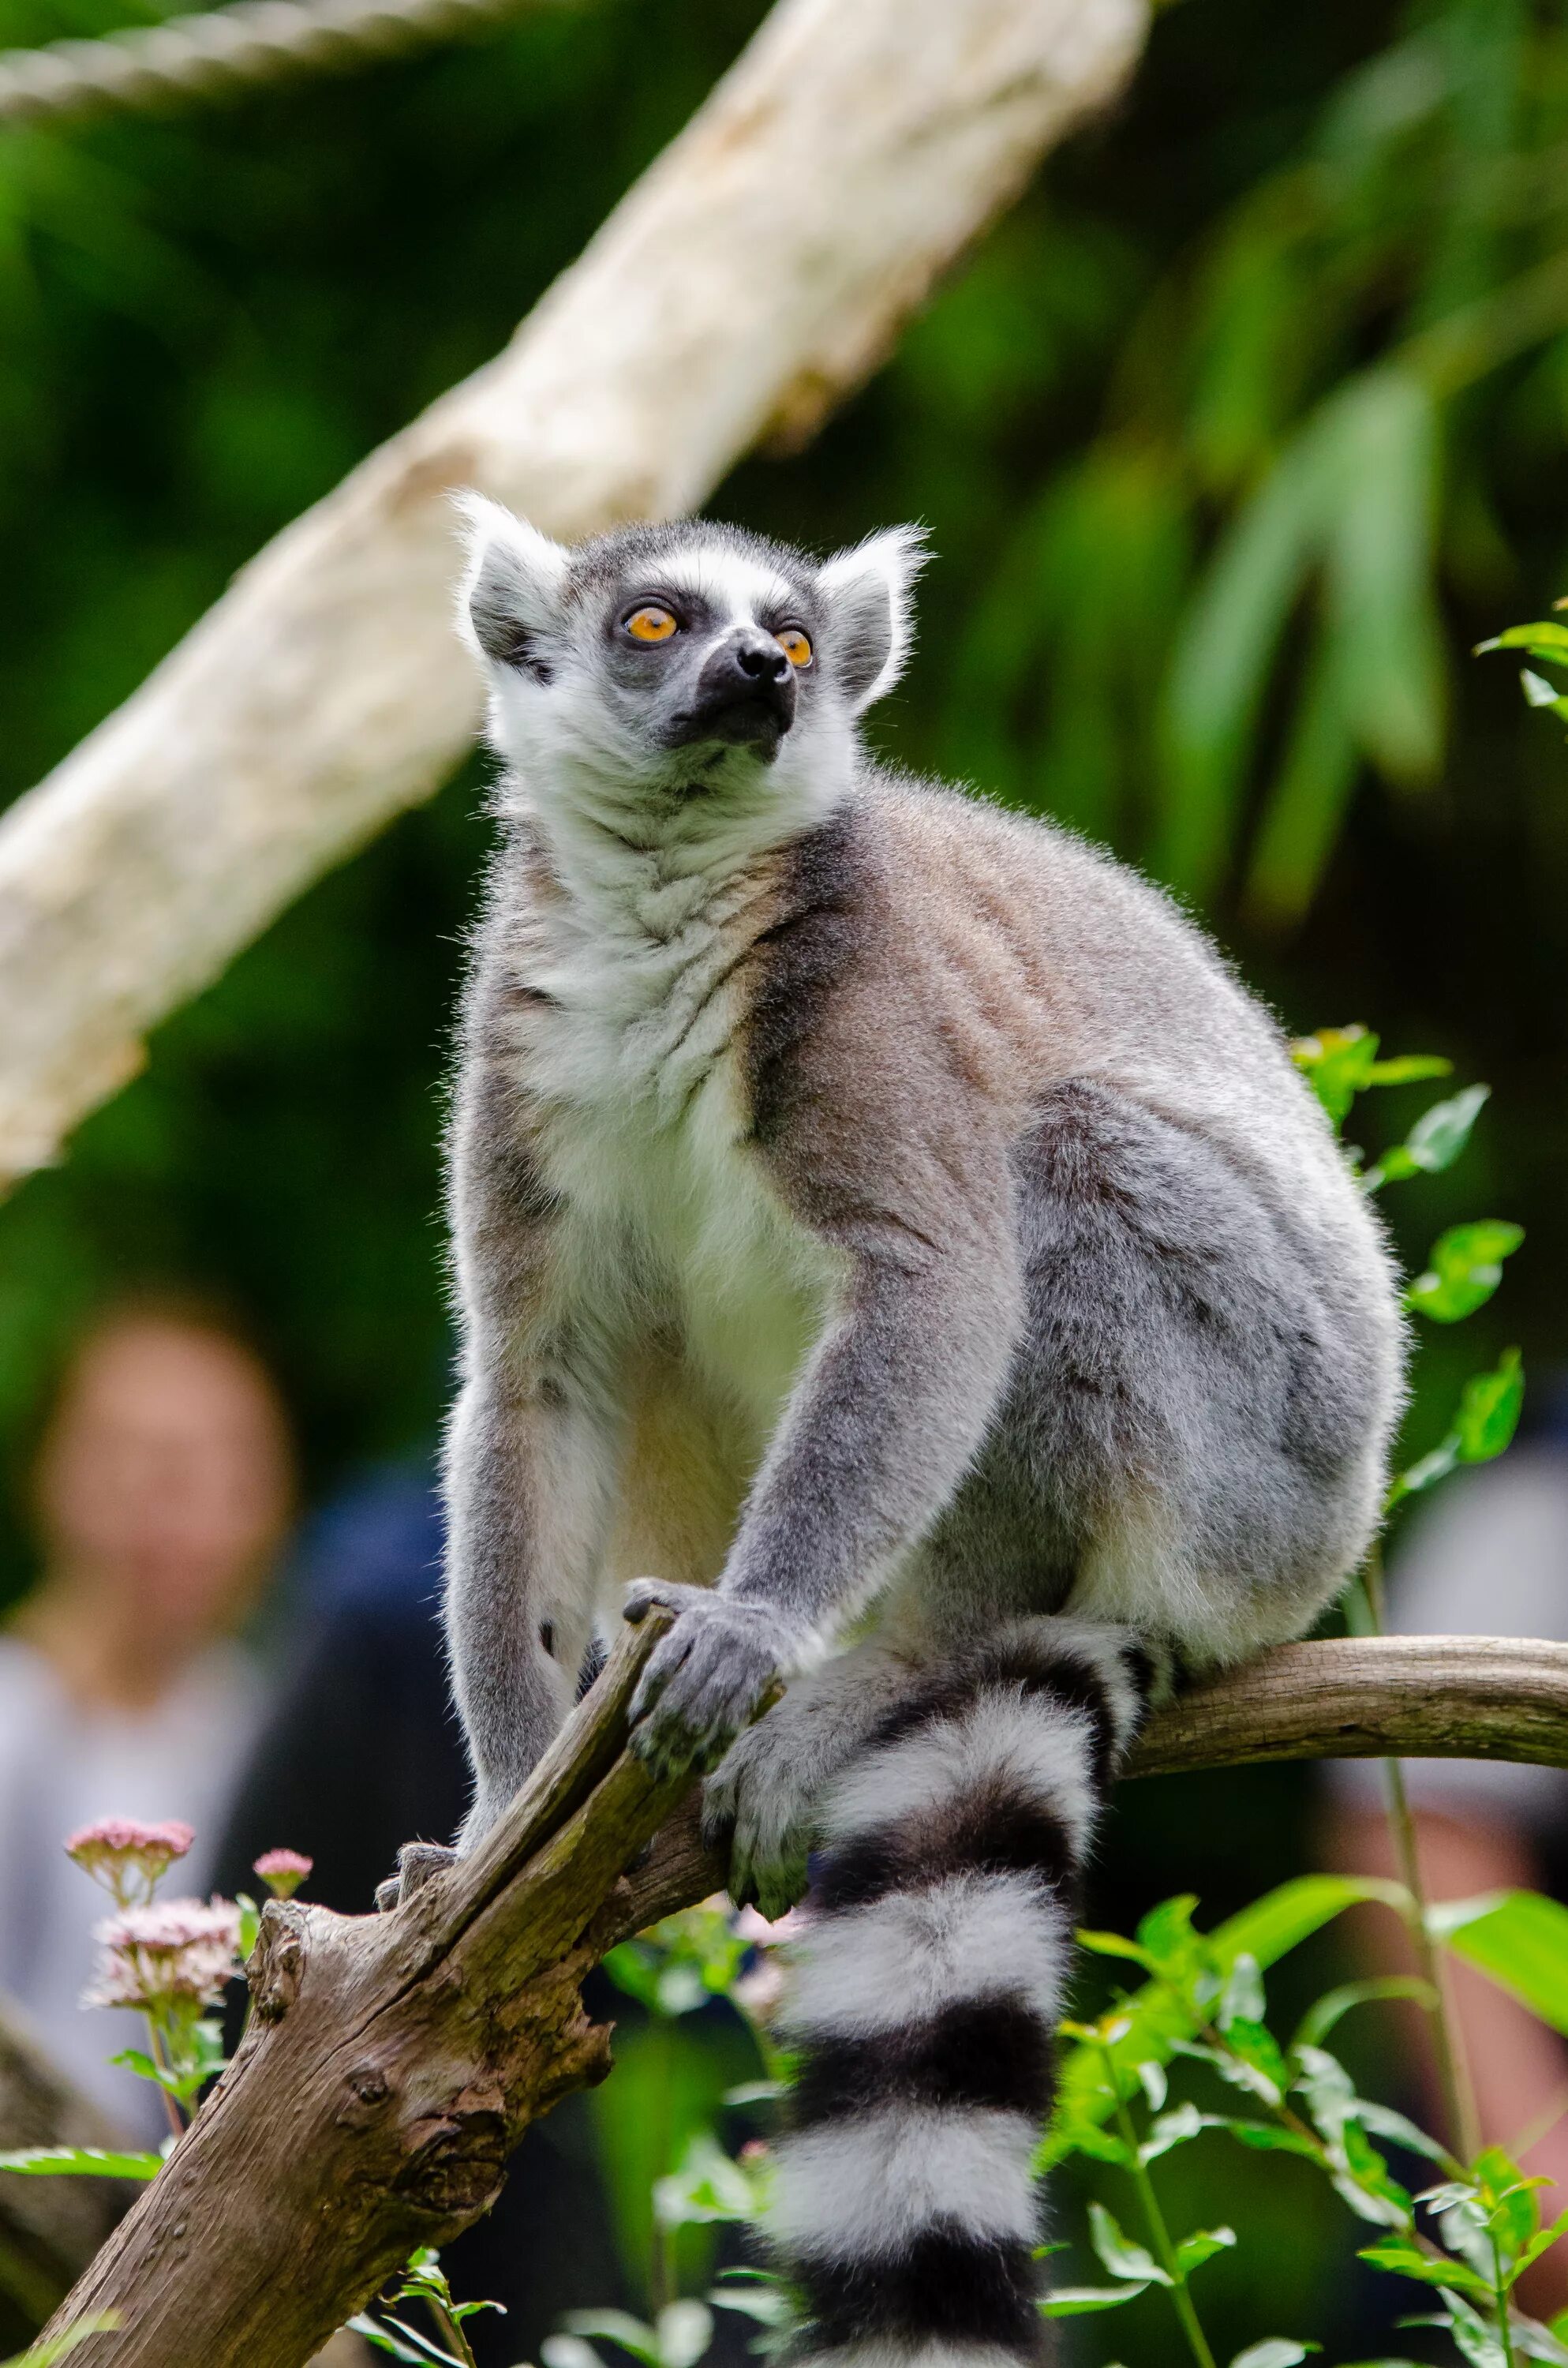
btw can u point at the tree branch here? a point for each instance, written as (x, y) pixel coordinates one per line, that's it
(1376, 1696)
(325, 691)
(392, 2062)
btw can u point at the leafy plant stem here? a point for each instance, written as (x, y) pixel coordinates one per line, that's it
(451, 2331)
(160, 2055)
(1500, 2285)
(1165, 2252)
(1453, 2078)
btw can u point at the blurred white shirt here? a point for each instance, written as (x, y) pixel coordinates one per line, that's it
(61, 1767)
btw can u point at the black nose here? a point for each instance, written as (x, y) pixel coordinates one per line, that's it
(758, 659)
(746, 692)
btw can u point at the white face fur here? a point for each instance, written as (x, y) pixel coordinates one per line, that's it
(686, 684)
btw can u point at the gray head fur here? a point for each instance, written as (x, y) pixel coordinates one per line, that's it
(716, 713)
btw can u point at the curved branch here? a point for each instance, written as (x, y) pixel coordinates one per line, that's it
(1371, 1697)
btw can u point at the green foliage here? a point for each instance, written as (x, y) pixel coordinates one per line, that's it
(1467, 2240)
(45, 2355)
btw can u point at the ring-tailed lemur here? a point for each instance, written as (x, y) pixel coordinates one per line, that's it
(877, 1213)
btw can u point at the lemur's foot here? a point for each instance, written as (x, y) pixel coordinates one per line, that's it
(710, 1677)
(417, 1862)
(756, 1807)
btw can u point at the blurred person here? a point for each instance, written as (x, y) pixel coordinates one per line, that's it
(1488, 1555)
(159, 1497)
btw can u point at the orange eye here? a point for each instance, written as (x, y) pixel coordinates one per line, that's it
(650, 624)
(795, 645)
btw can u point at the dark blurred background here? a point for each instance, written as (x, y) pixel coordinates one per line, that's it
(1232, 438)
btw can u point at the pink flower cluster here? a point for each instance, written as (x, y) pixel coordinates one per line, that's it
(173, 1955)
(128, 1857)
(283, 1870)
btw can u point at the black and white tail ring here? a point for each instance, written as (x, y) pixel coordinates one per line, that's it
(925, 1994)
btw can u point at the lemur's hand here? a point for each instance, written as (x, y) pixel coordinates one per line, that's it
(710, 1677)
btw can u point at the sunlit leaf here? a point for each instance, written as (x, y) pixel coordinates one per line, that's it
(1407, 2260)
(1520, 1940)
(1202, 2246)
(79, 2162)
(1119, 2253)
(1073, 2301)
(1274, 2351)
(1465, 1270)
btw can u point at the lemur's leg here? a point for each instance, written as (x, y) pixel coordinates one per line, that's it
(534, 1446)
(760, 1802)
(928, 1982)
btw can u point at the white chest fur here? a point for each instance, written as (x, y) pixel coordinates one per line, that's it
(630, 1045)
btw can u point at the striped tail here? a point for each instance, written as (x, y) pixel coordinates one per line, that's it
(926, 1990)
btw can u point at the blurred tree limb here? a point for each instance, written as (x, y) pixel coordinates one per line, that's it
(757, 273)
(216, 52)
(392, 2062)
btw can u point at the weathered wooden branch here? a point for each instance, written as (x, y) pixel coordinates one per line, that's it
(392, 2062)
(760, 268)
(1411, 1697)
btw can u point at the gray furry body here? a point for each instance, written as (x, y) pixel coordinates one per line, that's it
(878, 1217)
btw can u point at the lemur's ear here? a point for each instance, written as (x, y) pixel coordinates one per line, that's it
(869, 595)
(511, 591)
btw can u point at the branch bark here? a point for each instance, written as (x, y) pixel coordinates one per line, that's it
(759, 270)
(392, 2062)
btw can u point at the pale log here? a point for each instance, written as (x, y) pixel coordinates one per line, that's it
(759, 269)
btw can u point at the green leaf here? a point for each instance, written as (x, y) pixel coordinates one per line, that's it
(1173, 2129)
(1153, 2082)
(1274, 2351)
(1407, 2260)
(1546, 639)
(1466, 1268)
(1243, 1998)
(1269, 2137)
(45, 2354)
(1118, 2254)
(1155, 2018)
(1336, 2004)
(371, 2330)
(568, 2352)
(1489, 1410)
(1409, 1068)
(1202, 2246)
(633, 2335)
(1490, 1406)
(1520, 1941)
(1507, 2200)
(1263, 2068)
(1542, 2242)
(1433, 1143)
(80, 2162)
(1538, 692)
(685, 2332)
(1478, 2341)
(1072, 2302)
(1338, 1063)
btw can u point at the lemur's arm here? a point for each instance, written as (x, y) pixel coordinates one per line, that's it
(530, 1464)
(876, 1437)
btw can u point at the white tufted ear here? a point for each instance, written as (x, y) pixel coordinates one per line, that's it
(511, 590)
(869, 595)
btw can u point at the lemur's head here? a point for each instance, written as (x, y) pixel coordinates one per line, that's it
(680, 666)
